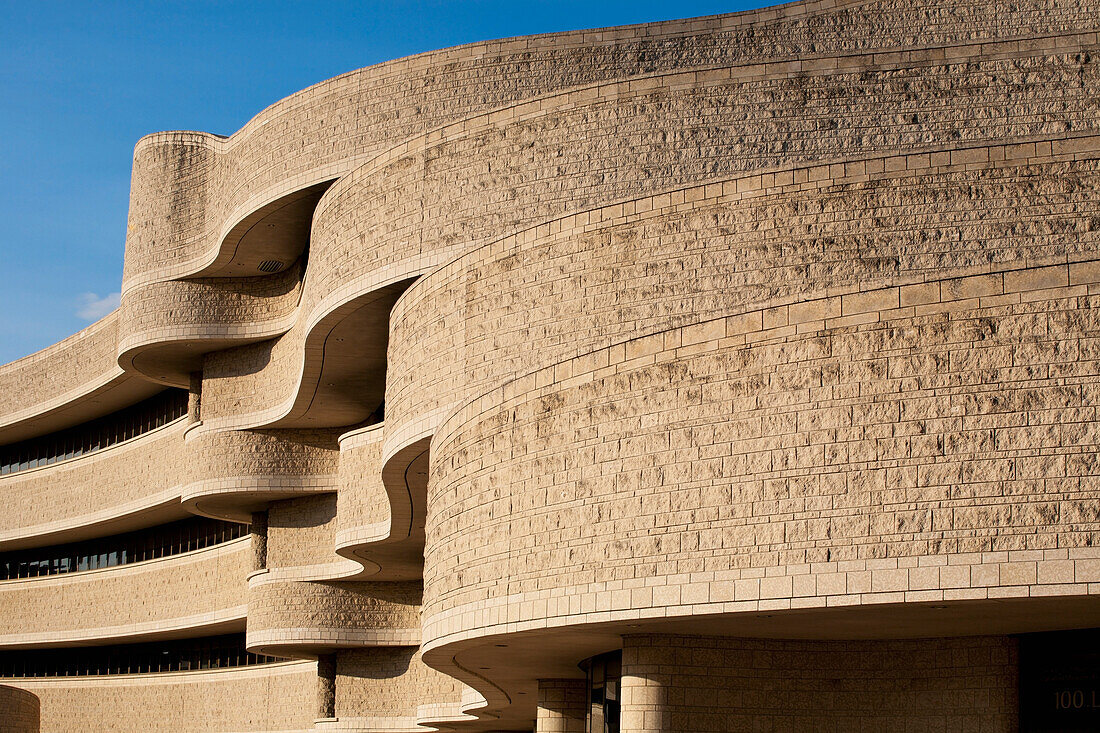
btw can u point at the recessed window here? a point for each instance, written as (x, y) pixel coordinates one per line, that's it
(604, 673)
(178, 655)
(186, 535)
(89, 437)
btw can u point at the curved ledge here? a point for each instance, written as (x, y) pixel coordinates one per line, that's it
(681, 360)
(235, 498)
(73, 381)
(239, 472)
(808, 574)
(370, 693)
(443, 714)
(53, 504)
(388, 179)
(392, 101)
(681, 255)
(179, 595)
(363, 504)
(370, 724)
(204, 699)
(694, 241)
(305, 618)
(166, 344)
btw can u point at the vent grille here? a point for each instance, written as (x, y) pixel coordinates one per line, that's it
(270, 266)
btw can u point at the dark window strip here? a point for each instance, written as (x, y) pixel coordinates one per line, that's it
(177, 655)
(186, 535)
(603, 673)
(95, 435)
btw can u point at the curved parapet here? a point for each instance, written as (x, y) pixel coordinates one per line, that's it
(319, 133)
(308, 602)
(167, 327)
(238, 472)
(292, 618)
(325, 372)
(230, 207)
(279, 698)
(22, 711)
(169, 196)
(848, 452)
(531, 145)
(390, 683)
(643, 265)
(137, 483)
(380, 505)
(188, 593)
(303, 601)
(67, 383)
(382, 201)
(365, 509)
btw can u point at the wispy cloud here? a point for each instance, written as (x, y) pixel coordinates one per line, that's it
(91, 307)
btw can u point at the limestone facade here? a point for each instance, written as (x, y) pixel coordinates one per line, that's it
(730, 374)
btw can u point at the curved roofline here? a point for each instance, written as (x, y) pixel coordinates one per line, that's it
(224, 142)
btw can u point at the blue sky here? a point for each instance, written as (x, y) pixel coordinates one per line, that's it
(82, 81)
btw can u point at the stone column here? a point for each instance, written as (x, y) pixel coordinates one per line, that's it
(259, 541)
(561, 706)
(326, 686)
(644, 690)
(194, 397)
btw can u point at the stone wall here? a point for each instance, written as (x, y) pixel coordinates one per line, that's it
(387, 685)
(930, 440)
(714, 685)
(191, 590)
(605, 141)
(124, 479)
(289, 616)
(235, 471)
(302, 531)
(279, 698)
(311, 135)
(66, 371)
(621, 271)
(784, 312)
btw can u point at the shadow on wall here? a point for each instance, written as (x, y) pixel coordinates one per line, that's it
(359, 666)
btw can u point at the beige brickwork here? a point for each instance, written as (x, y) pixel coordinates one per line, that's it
(853, 456)
(301, 531)
(128, 478)
(70, 369)
(704, 249)
(195, 589)
(389, 685)
(382, 201)
(285, 616)
(763, 325)
(363, 203)
(279, 698)
(358, 114)
(362, 511)
(562, 706)
(234, 470)
(714, 685)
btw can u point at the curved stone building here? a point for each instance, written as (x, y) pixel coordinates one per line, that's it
(738, 373)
